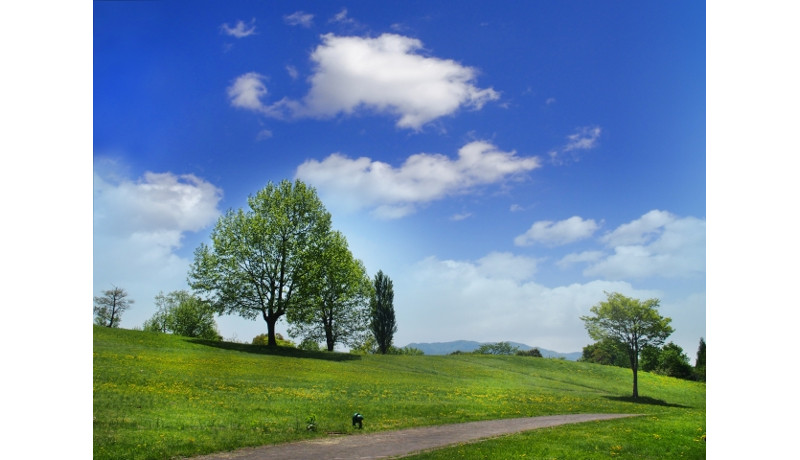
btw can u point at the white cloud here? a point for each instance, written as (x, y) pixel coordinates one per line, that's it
(584, 138)
(493, 299)
(139, 227)
(393, 192)
(247, 90)
(292, 71)
(384, 74)
(658, 244)
(240, 30)
(341, 17)
(583, 257)
(557, 233)
(299, 18)
(640, 230)
(460, 216)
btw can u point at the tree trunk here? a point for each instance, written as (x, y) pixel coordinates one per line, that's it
(271, 320)
(329, 336)
(635, 383)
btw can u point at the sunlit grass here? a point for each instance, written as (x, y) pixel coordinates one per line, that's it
(158, 396)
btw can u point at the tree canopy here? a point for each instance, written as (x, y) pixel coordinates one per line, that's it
(630, 322)
(254, 264)
(335, 295)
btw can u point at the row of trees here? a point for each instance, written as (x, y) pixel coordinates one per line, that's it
(278, 259)
(281, 258)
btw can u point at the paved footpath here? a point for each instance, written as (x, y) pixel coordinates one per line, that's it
(402, 442)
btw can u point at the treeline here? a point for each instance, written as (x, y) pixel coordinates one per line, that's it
(669, 359)
(279, 258)
(500, 348)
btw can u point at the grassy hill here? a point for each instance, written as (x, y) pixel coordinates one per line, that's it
(159, 396)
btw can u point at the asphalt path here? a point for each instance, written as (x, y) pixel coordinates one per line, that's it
(402, 442)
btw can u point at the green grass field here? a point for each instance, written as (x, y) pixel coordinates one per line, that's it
(160, 396)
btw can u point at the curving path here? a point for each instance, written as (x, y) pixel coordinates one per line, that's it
(402, 442)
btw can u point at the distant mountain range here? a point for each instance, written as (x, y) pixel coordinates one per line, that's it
(445, 348)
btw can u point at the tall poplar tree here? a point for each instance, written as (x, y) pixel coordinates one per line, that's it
(382, 308)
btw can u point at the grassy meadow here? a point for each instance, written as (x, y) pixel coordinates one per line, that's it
(159, 396)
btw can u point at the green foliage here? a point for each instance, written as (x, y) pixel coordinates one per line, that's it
(182, 313)
(534, 352)
(108, 308)
(335, 293)
(409, 351)
(700, 363)
(263, 339)
(158, 396)
(382, 312)
(309, 344)
(608, 352)
(254, 265)
(499, 348)
(632, 322)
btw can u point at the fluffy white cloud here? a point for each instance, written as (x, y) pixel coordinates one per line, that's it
(247, 90)
(384, 74)
(494, 299)
(299, 18)
(557, 233)
(658, 244)
(240, 30)
(393, 192)
(138, 228)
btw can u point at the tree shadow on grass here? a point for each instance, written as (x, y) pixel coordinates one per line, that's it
(288, 352)
(645, 400)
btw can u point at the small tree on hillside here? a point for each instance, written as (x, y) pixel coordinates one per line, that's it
(382, 309)
(631, 322)
(182, 313)
(108, 308)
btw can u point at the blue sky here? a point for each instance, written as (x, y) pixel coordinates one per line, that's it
(504, 163)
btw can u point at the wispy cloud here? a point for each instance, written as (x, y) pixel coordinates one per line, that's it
(384, 75)
(240, 30)
(557, 233)
(299, 18)
(584, 138)
(394, 192)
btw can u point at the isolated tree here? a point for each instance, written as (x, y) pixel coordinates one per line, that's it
(108, 308)
(382, 312)
(631, 322)
(182, 313)
(253, 266)
(335, 295)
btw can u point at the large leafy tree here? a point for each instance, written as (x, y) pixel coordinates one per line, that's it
(335, 295)
(253, 266)
(108, 307)
(631, 322)
(382, 312)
